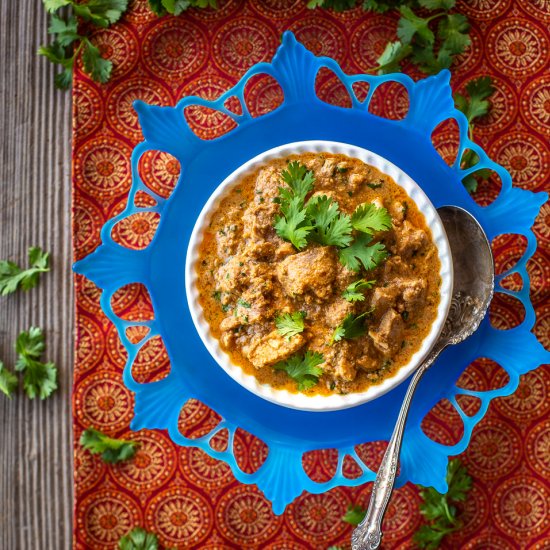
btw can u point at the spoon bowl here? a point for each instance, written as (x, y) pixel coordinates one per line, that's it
(473, 288)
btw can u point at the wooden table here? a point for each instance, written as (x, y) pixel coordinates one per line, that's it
(35, 209)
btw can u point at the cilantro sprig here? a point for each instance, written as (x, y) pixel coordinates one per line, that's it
(320, 220)
(353, 326)
(354, 291)
(177, 7)
(39, 379)
(474, 106)
(112, 450)
(290, 324)
(439, 510)
(8, 381)
(13, 277)
(69, 42)
(303, 369)
(138, 539)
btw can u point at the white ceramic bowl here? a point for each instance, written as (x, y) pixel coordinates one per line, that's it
(319, 403)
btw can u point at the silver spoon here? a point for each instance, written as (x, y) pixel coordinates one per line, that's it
(472, 291)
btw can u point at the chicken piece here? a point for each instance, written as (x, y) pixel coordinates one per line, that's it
(356, 181)
(387, 338)
(260, 251)
(340, 359)
(336, 311)
(414, 293)
(258, 220)
(230, 322)
(227, 240)
(283, 250)
(397, 212)
(410, 239)
(267, 184)
(344, 277)
(311, 272)
(229, 276)
(272, 348)
(384, 298)
(394, 266)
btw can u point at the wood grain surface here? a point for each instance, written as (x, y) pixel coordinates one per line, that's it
(35, 209)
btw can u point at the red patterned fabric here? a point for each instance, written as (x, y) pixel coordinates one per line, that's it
(187, 498)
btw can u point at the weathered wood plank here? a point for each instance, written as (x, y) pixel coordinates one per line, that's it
(35, 209)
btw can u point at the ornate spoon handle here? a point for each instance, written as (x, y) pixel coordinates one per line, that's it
(368, 534)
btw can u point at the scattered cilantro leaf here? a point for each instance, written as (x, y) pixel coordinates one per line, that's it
(392, 56)
(39, 379)
(96, 66)
(290, 324)
(336, 5)
(353, 326)
(13, 277)
(138, 539)
(411, 25)
(382, 6)
(304, 369)
(354, 514)
(354, 291)
(360, 253)
(454, 31)
(112, 450)
(66, 30)
(368, 218)
(437, 4)
(439, 510)
(53, 5)
(244, 303)
(101, 13)
(8, 381)
(330, 226)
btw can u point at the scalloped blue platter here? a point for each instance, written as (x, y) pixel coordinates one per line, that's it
(160, 267)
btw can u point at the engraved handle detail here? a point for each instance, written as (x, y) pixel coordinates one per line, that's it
(368, 534)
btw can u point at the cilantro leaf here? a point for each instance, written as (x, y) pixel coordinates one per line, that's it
(392, 55)
(290, 324)
(368, 218)
(354, 291)
(111, 450)
(176, 7)
(8, 381)
(411, 25)
(101, 12)
(330, 226)
(476, 105)
(298, 178)
(353, 326)
(39, 379)
(453, 30)
(138, 539)
(381, 6)
(292, 225)
(53, 5)
(438, 509)
(13, 277)
(354, 514)
(336, 5)
(95, 65)
(360, 253)
(157, 8)
(304, 369)
(437, 4)
(67, 31)
(428, 61)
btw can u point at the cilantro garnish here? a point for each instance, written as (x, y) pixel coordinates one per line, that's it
(138, 539)
(304, 370)
(330, 226)
(13, 277)
(290, 324)
(354, 291)
(360, 253)
(439, 510)
(111, 450)
(368, 218)
(293, 225)
(244, 303)
(8, 381)
(39, 379)
(351, 327)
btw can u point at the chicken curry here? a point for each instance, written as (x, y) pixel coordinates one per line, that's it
(318, 274)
